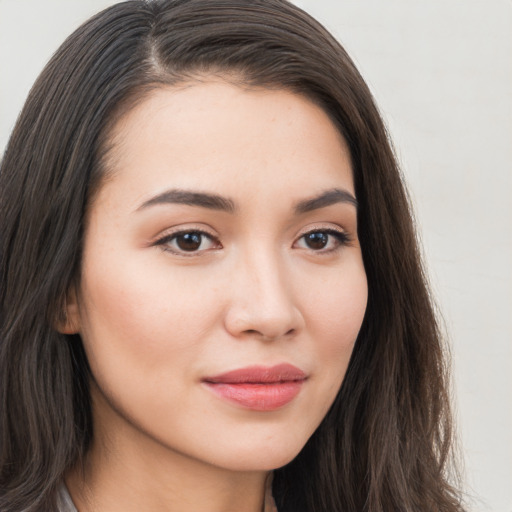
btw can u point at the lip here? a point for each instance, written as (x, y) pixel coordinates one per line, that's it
(259, 388)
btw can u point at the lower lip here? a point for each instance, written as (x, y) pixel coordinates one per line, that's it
(258, 396)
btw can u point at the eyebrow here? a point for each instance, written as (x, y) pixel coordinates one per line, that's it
(327, 198)
(217, 202)
(191, 198)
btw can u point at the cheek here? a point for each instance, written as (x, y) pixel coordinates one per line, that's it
(335, 310)
(140, 317)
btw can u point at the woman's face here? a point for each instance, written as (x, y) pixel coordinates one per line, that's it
(222, 286)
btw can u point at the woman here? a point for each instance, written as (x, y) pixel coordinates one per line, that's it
(211, 292)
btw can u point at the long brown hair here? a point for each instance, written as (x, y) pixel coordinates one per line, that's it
(385, 444)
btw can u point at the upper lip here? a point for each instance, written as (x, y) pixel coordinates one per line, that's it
(284, 372)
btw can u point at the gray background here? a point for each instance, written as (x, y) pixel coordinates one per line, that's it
(441, 71)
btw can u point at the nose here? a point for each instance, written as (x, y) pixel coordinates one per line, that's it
(263, 304)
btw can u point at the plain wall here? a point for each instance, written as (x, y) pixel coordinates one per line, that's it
(441, 72)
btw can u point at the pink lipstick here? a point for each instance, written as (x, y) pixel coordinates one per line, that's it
(259, 388)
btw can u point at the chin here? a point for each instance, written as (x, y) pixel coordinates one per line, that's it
(264, 457)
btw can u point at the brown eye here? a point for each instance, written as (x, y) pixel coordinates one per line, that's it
(316, 240)
(189, 241)
(323, 240)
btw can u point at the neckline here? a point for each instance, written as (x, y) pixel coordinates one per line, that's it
(65, 502)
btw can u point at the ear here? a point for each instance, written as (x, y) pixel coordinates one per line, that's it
(68, 319)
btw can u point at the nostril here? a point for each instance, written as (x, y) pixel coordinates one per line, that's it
(266, 337)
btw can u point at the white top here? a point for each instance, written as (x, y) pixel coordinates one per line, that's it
(64, 501)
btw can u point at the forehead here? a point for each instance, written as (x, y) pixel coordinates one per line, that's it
(227, 139)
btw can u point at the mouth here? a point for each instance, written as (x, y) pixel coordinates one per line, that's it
(258, 388)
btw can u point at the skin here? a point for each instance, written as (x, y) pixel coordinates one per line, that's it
(155, 320)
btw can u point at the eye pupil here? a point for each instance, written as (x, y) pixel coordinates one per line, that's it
(317, 240)
(189, 241)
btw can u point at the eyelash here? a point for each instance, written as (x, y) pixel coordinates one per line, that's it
(341, 237)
